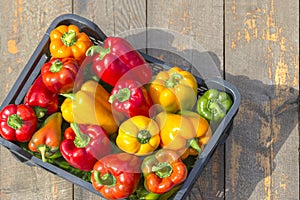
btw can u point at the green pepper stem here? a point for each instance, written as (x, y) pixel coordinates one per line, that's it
(43, 150)
(56, 66)
(81, 140)
(143, 136)
(194, 144)
(122, 95)
(173, 80)
(68, 95)
(54, 155)
(215, 107)
(108, 179)
(97, 49)
(15, 121)
(69, 38)
(40, 112)
(162, 169)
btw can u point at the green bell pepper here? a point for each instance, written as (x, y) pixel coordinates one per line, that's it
(213, 105)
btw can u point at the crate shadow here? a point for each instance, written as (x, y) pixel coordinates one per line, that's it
(267, 116)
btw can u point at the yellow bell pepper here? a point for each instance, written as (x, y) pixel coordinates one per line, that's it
(182, 131)
(89, 105)
(174, 90)
(67, 110)
(138, 135)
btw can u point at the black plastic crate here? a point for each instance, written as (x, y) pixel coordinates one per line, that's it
(42, 54)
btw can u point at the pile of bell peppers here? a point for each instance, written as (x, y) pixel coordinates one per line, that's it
(98, 111)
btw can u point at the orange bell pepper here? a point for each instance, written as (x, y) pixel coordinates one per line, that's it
(163, 171)
(47, 139)
(68, 41)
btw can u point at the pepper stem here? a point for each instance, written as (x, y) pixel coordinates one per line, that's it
(43, 150)
(97, 49)
(108, 179)
(15, 121)
(215, 107)
(143, 136)
(194, 144)
(81, 140)
(40, 112)
(122, 95)
(68, 95)
(69, 38)
(163, 169)
(56, 66)
(173, 80)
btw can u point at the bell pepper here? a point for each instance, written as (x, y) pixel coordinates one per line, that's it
(47, 139)
(213, 105)
(67, 108)
(131, 57)
(163, 171)
(174, 90)
(17, 122)
(90, 106)
(181, 131)
(59, 74)
(138, 135)
(131, 99)
(107, 67)
(84, 145)
(43, 101)
(68, 41)
(116, 176)
(118, 56)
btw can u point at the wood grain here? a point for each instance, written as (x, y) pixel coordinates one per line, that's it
(23, 24)
(261, 160)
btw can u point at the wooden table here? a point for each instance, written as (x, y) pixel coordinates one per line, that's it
(257, 46)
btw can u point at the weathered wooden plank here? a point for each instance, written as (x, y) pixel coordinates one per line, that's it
(262, 60)
(100, 12)
(117, 18)
(23, 24)
(189, 30)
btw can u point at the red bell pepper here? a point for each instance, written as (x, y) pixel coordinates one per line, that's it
(107, 67)
(59, 74)
(17, 122)
(84, 145)
(128, 54)
(130, 98)
(116, 58)
(43, 101)
(116, 176)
